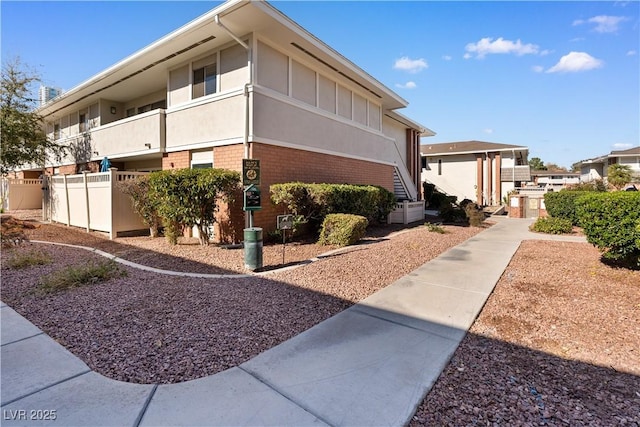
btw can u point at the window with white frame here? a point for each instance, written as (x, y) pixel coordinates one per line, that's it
(204, 81)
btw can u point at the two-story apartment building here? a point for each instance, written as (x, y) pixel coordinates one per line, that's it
(483, 172)
(241, 81)
(597, 168)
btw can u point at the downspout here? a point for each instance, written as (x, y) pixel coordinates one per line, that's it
(247, 153)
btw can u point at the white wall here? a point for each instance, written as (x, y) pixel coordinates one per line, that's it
(458, 176)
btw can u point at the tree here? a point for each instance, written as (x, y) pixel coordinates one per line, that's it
(618, 175)
(23, 138)
(189, 197)
(536, 164)
(555, 168)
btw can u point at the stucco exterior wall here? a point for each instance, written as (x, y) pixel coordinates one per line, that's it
(211, 121)
(458, 175)
(282, 120)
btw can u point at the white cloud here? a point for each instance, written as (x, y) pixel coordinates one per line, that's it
(407, 85)
(488, 130)
(621, 145)
(576, 39)
(467, 55)
(632, 53)
(447, 57)
(537, 68)
(574, 62)
(603, 23)
(545, 52)
(411, 65)
(488, 45)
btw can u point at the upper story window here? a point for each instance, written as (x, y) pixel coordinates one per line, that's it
(82, 122)
(153, 106)
(204, 81)
(56, 131)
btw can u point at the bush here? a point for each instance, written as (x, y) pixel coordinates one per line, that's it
(189, 197)
(552, 225)
(314, 202)
(474, 214)
(28, 258)
(563, 204)
(342, 229)
(435, 228)
(143, 204)
(597, 185)
(611, 223)
(86, 274)
(450, 212)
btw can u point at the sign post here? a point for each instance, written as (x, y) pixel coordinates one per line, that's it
(285, 222)
(252, 202)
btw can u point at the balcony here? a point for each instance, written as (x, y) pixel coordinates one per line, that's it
(137, 135)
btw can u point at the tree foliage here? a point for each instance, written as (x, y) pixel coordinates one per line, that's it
(536, 164)
(618, 175)
(189, 197)
(23, 140)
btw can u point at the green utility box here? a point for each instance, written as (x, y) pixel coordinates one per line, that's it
(253, 248)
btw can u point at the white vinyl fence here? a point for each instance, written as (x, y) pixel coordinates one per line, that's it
(21, 194)
(92, 201)
(407, 212)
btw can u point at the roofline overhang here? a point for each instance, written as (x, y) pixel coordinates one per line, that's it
(453, 153)
(92, 85)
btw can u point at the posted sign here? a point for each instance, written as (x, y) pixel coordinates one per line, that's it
(250, 172)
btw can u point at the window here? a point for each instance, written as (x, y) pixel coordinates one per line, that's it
(82, 122)
(439, 166)
(131, 112)
(56, 131)
(153, 106)
(204, 81)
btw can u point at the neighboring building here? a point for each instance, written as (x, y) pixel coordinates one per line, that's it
(483, 172)
(596, 168)
(241, 81)
(554, 180)
(47, 93)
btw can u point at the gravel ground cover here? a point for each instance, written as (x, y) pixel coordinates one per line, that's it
(154, 328)
(556, 344)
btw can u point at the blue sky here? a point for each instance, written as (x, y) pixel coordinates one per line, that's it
(562, 78)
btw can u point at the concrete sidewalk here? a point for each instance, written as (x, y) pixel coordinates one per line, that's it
(370, 365)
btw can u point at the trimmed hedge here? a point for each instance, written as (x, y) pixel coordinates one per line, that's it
(342, 229)
(563, 204)
(314, 202)
(611, 222)
(552, 225)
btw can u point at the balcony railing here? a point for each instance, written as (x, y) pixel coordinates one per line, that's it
(515, 173)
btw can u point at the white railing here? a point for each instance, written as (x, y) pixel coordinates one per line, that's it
(407, 212)
(21, 193)
(93, 201)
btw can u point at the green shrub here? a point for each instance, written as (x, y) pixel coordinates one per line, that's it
(314, 202)
(597, 185)
(552, 225)
(189, 197)
(435, 228)
(29, 258)
(610, 222)
(452, 213)
(143, 204)
(76, 276)
(562, 204)
(342, 229)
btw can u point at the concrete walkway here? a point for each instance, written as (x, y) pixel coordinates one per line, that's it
(370, 365)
